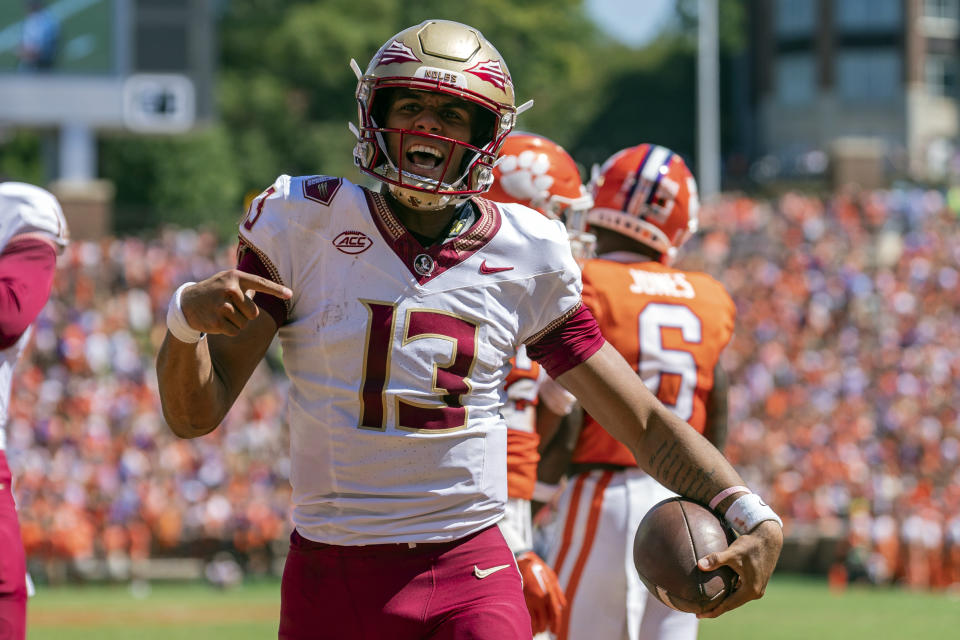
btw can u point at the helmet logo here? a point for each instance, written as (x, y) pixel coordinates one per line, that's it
(352, 242)
(650, 191)
(526, 177)
(397, 52)
(490, 71)
(423, 264)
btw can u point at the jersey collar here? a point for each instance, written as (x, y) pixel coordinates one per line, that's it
(426, 263)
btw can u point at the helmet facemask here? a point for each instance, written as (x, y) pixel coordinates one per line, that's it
(467, 165)
(574, 213)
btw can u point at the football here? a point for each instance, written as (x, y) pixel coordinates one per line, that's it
(673, 535)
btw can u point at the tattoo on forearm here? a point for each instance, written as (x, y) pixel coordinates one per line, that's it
(668, 466)
(664, 462)
(697, 485)
(656, 455)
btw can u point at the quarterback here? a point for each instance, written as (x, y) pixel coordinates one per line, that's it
(398, 312)
(32, 233)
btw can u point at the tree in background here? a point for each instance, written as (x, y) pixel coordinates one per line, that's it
(288, 98)
(285, 96)
(651, 93)
(20, 157)
(174, 180)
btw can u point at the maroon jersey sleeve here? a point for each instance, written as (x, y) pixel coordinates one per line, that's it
(26, 277)
(249, 261)
(569, 344)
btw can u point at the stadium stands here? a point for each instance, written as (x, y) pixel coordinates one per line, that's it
(843, 369)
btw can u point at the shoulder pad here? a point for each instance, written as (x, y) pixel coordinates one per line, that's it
(25, 208)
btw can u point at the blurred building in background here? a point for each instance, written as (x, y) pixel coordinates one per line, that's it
(144, 66)
(868, 88)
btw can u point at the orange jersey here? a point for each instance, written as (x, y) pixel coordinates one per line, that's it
(670, 325)
(522, 385)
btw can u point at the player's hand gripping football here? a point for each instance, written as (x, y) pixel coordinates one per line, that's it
(753, 556)
(223, 303)
(541, 590)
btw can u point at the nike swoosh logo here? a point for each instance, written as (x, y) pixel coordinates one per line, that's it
(488, 270)
(483, 573)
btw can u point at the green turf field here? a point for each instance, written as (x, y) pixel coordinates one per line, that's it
(804, 609)
(168, 612)
(794, 608)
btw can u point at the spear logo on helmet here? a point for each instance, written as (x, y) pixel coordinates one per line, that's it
(397, 52)
(490, 71)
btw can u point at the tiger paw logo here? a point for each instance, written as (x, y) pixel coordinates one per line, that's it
(525, 176)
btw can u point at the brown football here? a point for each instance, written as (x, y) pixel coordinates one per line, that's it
(671, 538)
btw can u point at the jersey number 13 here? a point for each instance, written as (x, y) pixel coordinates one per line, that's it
(450, 378)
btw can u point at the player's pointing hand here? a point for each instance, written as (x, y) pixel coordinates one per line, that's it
(223, 303)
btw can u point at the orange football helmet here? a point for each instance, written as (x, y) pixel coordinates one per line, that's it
(538, 173)
(647, 193)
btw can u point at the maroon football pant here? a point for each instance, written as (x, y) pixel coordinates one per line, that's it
(430, 591)
(13, 569)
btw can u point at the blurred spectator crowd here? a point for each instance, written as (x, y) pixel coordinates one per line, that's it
(844, 374)
(844, 370)
(99, 474)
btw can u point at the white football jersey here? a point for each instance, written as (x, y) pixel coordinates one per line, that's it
(397, 355)
(24, 209)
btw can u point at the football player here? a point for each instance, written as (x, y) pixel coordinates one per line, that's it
(32, 233)
(671, 326)
(540, 174)
(398, 312)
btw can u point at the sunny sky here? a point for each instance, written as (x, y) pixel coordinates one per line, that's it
(633, 22)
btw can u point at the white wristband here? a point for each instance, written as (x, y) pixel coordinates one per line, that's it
(177, 322)
(747, 512)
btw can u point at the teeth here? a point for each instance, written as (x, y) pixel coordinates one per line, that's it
(422, 148)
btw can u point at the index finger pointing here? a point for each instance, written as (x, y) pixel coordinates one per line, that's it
(257, 283)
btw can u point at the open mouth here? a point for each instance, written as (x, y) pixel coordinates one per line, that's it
(424, 157)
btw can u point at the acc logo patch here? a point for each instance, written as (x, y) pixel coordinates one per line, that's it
(490, 71)
(397, 52)
(321, 189)
(352, 242)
